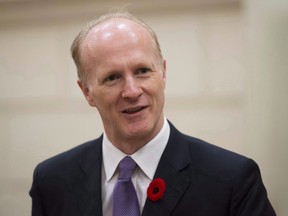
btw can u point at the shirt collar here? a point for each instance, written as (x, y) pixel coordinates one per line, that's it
(147, 157)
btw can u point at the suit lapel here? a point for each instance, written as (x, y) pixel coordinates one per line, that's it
(87, 187)
(174, 160)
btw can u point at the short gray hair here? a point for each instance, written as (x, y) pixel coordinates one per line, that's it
(116, 13)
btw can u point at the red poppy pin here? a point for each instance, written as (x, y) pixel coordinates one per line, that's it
(156, 189)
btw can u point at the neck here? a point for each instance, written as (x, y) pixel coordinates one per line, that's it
(130, 144)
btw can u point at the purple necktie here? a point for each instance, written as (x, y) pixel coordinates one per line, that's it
(125, 202)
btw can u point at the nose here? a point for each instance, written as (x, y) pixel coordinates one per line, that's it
(131, 88)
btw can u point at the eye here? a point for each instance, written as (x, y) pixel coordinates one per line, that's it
(111, 79)
(143, 71)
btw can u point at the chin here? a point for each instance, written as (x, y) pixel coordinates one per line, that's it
(141, 131)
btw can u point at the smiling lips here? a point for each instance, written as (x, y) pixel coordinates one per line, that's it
(134, 109)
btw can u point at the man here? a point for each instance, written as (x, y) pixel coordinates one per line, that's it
(122, 73)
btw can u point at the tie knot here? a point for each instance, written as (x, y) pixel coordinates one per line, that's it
(126, 167)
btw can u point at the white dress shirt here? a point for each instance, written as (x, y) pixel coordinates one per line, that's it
(147, 159)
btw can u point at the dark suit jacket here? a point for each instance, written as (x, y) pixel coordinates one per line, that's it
(201, 180)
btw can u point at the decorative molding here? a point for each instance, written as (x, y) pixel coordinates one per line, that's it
(27, 12)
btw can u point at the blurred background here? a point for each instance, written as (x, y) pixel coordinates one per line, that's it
(227, 77)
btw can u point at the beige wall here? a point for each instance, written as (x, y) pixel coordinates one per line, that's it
(267, 98)
(227, 74)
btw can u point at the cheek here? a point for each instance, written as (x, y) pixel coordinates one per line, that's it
(159, 87)
(156, 93)
(105, 100)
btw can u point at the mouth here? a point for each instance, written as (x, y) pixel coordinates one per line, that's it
(134, 110)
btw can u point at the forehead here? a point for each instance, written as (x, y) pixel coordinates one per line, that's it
(117, 30)
(116, 36)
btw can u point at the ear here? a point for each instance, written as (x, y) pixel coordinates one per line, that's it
(86, 92)
(164, 71)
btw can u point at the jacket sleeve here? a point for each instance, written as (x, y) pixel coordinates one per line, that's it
(249, 197)
(37, 206)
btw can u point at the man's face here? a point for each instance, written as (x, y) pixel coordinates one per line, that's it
(126, 80)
